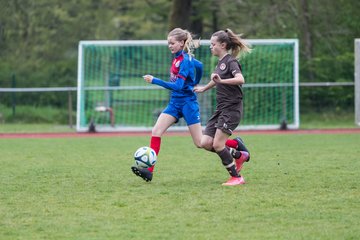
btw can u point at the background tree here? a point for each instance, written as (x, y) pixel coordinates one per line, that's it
(39, 38)
(180, 14)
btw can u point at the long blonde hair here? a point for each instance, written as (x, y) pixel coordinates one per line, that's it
(184, 35)
(235, 43)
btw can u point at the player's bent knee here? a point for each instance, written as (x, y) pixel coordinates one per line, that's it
(207, 146)
(207, 142)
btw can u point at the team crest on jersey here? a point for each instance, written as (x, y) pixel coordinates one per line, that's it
(177, 63)
(222, 66)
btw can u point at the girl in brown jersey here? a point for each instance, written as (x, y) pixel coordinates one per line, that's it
(228, 79)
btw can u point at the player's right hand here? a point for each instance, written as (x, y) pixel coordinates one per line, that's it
(148, 78)
(199, 89)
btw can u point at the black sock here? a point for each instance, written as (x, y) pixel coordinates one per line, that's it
(227, 161)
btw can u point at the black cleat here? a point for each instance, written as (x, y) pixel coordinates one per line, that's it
(241, 146)
(143, 173)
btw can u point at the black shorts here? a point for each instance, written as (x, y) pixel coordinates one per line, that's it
(226, 120)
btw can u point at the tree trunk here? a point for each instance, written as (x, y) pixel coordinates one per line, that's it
(196, 25)
(305, 15)
(180, 14)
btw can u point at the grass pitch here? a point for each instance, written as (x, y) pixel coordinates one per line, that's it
(298, 187)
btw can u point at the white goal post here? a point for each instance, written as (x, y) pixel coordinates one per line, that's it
(357, 82)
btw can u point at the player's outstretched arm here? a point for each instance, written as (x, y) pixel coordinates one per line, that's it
(177, 85)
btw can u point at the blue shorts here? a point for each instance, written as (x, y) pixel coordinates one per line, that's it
(188, 109)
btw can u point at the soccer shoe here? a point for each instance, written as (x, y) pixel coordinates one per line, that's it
(241, 146)
(234, 181)
(143, 173)
(244, 157)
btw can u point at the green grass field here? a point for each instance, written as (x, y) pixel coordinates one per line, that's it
(298, 187)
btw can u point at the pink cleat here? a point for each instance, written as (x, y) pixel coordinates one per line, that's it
(240, 161)
(234, 181)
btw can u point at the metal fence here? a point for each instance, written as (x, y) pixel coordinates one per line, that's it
(69, 104)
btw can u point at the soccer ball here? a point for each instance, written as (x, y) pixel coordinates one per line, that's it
(145, 157)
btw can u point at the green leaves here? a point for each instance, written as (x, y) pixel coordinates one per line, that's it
(39, 36)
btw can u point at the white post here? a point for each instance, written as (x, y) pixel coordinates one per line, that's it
(357, 82)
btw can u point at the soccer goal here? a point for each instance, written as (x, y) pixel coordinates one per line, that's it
(112, 95)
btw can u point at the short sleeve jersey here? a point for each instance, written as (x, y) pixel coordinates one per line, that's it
(228, 95)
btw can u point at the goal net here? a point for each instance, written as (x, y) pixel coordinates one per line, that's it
(112, 95)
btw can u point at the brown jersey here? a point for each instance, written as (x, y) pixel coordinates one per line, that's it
(228, 95)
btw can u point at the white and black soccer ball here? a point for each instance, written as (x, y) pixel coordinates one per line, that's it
(145, 157)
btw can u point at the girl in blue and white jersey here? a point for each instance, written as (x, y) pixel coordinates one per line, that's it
(185, 73)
